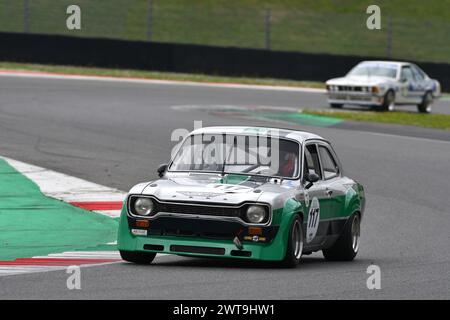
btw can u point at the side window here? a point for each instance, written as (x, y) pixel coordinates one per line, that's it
(330, 167)
(312, 164)
(407, 74)
(418, 74)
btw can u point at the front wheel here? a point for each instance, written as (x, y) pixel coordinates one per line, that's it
(138, 257)
(346, 246)
(388, 101)
(294, 249)
(425, 105)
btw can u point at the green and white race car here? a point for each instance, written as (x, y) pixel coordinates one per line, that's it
(248, 193)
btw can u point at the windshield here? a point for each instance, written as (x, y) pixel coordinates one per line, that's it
(380, 70)
(238, 154)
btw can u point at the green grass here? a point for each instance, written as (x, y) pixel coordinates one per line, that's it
(435, 121)
(419, 28)
(157, 75)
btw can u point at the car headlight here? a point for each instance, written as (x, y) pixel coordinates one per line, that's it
(143, 206)
(255, 214)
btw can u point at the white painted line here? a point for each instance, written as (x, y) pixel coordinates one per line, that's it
(4, 271)
(109, 213)
(24, 269)
(401, 136)
(43, 75)
(83, 255)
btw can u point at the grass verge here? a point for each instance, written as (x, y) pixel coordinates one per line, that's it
(157, 75)
(419, 30)
(435, 121)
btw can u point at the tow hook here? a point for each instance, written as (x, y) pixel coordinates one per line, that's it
(238, 243)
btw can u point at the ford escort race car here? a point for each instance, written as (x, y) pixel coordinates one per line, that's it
(384, 85)
(246, 193)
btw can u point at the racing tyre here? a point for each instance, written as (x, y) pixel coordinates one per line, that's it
(425, 105)
(388, 101)
(336, 105)
(346, 246)
(138, 257)
(295, 244)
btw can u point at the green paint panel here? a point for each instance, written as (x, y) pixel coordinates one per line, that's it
(293, 117)
(32, 224)
(299, 118)
(234, 179)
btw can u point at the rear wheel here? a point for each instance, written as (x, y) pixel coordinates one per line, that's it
(425, 105)
(388, 101)
(336, 105)
(295, 244)
(138, 257)
(346, 246)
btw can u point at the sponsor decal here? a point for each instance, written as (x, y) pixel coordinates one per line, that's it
(313, 220)
(139, 232)
(200, 194)
(306, 198)
(231, 188)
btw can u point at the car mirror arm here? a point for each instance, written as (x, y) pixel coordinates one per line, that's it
(309, 185)
(311, 178)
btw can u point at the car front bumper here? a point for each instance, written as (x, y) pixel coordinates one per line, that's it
(271, 249)
(353, 98)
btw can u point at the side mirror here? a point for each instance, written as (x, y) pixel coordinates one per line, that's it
(161, 169)
(311, 178)
(403, 80)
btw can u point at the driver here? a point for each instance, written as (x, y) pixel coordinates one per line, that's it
(288, 159)
(288, 165)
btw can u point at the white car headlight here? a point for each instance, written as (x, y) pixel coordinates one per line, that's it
(143, 206)
(255, 214)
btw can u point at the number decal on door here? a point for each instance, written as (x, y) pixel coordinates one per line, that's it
(313, 220)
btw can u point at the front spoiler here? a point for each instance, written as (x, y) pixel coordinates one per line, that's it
(274, 250)
(355, 99)
(193, 247)
(354, 102)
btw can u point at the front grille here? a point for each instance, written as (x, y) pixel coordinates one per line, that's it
(346, 88)
(198, 210)
(195, 249)
(353, 88)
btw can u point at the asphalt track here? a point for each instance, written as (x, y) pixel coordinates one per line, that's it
(117, 133)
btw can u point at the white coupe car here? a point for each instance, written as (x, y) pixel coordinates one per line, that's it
(384, 85)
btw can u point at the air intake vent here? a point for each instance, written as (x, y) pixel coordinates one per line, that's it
(240, 253)
(195, 249)
(201, 210)
(154, 247)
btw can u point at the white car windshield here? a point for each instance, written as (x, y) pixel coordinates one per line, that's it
(238, 154)
(379, 70)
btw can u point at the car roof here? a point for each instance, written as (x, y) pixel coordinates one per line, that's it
(299, 136)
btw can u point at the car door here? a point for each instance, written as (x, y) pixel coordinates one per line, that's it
(333, 185)
(421, 83)
(408, 86)
(315, 227)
